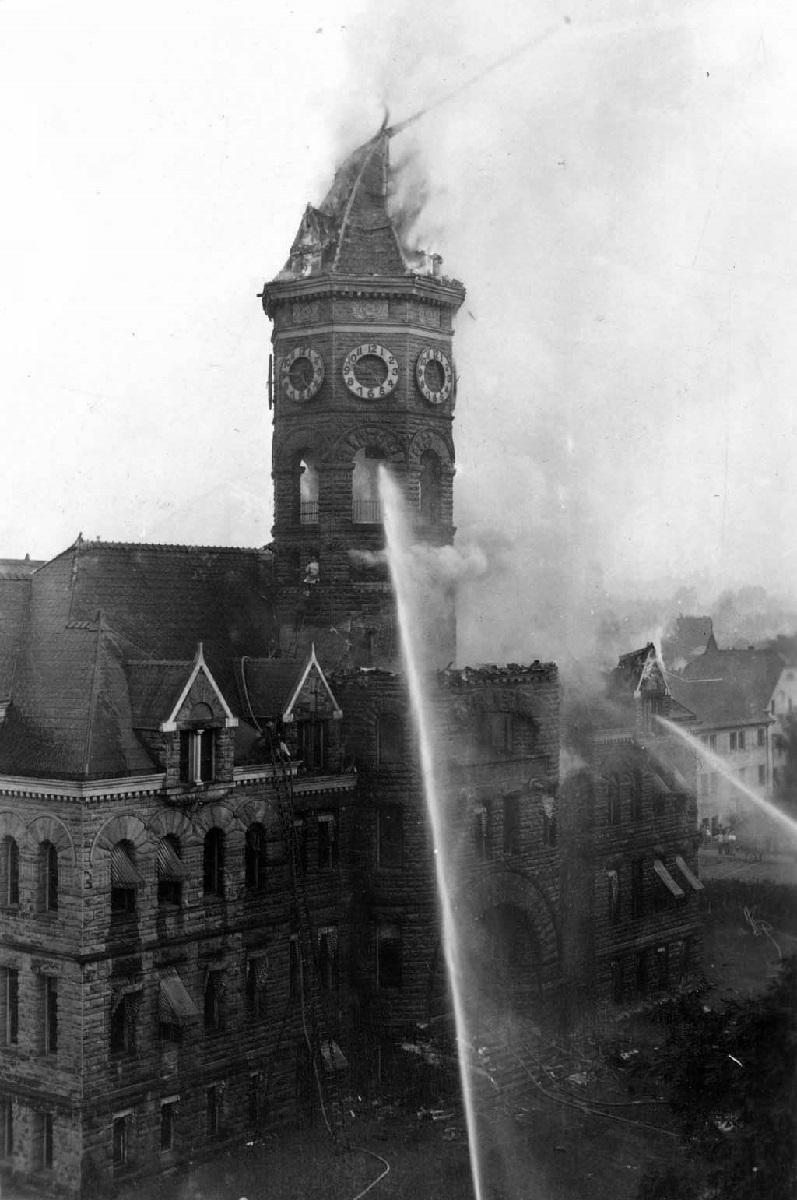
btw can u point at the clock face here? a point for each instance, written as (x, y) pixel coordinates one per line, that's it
(302, 373)
(370, 371)
(434, 375)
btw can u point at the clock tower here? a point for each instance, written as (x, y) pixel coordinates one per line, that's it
(363, 376)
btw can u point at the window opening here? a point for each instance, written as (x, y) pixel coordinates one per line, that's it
(213, 863)
(9, 881)
(430, 488)
(366, 504)
(255, 858)
(389, 956)
(327, 842)
(390, 845)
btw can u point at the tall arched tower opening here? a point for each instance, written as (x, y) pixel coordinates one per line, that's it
(363, 375)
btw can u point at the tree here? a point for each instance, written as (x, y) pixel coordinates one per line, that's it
(731, 1078)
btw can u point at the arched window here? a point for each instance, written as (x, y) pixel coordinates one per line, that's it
(255, 858)
(213, 863)
(389, 740)
(171, 871)
(9, 872)
(366, 503)
(125, 879)
(636, 795)
(48, 868)
(429, 494)
(306, 488)
(614, 800)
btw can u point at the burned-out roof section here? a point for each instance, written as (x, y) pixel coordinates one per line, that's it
(93, 615)
(686, 638)
(350, 232)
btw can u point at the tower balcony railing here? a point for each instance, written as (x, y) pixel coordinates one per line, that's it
(308, 512)
(366, 512)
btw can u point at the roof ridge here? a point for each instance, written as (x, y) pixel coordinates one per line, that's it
(184, 546)
(159, 662)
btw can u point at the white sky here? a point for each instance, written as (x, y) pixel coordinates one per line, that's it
(619, 202)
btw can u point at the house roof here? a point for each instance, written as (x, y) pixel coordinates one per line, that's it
(71, 650)
(715, 702)
(754, 673)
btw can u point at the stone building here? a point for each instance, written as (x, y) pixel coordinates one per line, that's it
(630, 918)
(217, 878)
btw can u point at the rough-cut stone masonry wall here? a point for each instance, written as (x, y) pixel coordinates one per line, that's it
(98, 956)
(607, 932)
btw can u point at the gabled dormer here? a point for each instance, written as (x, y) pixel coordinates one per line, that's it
(293, 702)
(178, 706)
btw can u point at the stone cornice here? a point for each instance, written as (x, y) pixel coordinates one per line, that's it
(447, 292)
(92, 789)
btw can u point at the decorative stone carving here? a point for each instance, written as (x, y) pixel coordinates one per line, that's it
(304, 314)
(369, 310)
(425, 314)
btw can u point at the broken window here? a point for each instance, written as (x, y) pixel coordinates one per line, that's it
(124, 1011)
(300, 844)
(212, 1111)
(511, 825)
(120, 1129)
(617, 982)
(389, 740)
(641, 973)
(636, 795)
(255, 858)
(45, 1136)
(430, 488)
(614, 799)
(214, 1001)
(6, 1129)
(50, 1013)
(313, 744)
(213, 863)
(613, 878)
(328, 958)
(637, 888)
(390, 837)
(366, 503)
(168, 1122)
(495, 731)
(388, 956)
(256, 985)
(327, 842)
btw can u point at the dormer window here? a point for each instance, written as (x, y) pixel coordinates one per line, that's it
(198, 747)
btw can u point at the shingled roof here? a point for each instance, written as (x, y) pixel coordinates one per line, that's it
(350, 232)
(753, 673)
(67, 647)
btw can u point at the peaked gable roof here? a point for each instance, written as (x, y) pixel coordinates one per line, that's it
(274, 689)
(350, 232)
